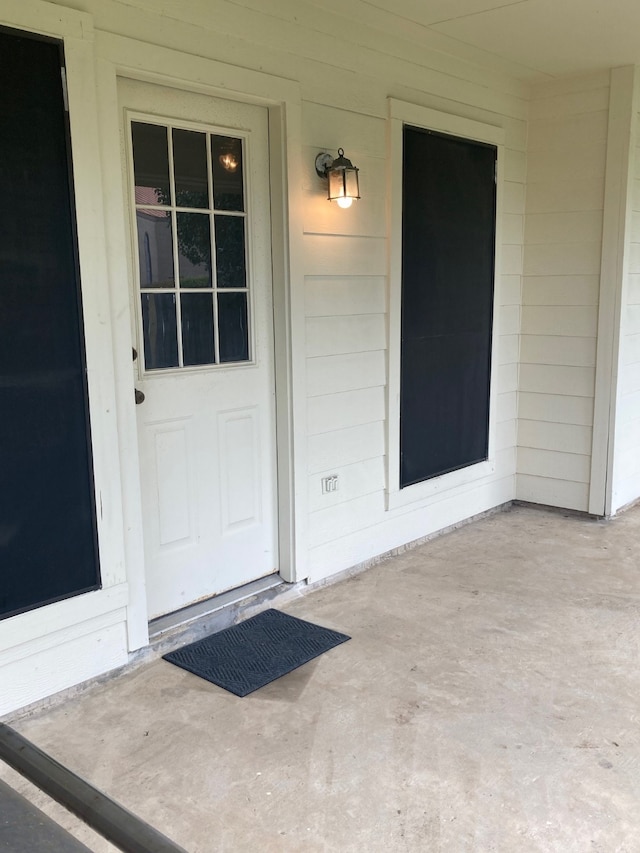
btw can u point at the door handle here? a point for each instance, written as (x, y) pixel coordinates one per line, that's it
(139, 397)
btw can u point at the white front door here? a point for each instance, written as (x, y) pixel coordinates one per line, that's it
(198, 173)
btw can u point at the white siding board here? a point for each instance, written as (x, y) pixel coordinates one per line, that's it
(570, 85)
(561, 134)
(511, 289)
(632, 318)
(583, 226)
(634, 232)
(629, 461)
(508, 348)
(570, 321)
(335, 522)
(629, 407)
(345, 334)
(629, 380)
(515, 165)
(555, 408)
(546, 196)
(322, 125)
(345, 446)
(328, 297)
(583, 162)
(562, 259)
(552, 492)
(634, 258)
(512, 228)
(333, 374)
(506, 435)
(546, 435)
(628, 437)
(347, 409)
(339, 255)
(631, 350)
(561, 290)
(633, 290)
(509, 320)
(507, 406)
(511, 260)
(507, 377)
(543, 349)
(513, 197)
(576, 103)
(557, 379)
(553, 464)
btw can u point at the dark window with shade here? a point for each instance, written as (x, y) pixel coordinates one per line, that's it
(48, 541)
(448, 248)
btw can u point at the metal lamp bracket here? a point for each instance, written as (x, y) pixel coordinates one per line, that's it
(323, 163)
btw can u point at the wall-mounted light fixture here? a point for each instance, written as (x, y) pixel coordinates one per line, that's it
(342, 177)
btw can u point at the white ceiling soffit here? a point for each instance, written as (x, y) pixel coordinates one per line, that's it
(534, 38)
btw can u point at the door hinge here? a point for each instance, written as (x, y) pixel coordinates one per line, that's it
(65, 93)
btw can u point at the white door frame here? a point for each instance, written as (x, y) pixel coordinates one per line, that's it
(119, 56)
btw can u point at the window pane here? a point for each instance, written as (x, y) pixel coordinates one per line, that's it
(230, 255)
(150, 163)
(194, 249)
(155, 248)
(190, 168)
(226, 156)
(232, 327)
(197, 328)
(159, 328)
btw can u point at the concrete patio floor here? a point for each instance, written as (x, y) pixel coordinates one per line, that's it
(489, 700)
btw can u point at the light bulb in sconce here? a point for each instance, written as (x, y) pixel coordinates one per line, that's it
(228, 162)
(341, 177)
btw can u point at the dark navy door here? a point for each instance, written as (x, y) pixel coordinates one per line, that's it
(48, 546)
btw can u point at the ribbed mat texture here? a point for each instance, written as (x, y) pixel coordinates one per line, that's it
(247, 656)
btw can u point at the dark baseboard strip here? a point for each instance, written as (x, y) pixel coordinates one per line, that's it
(118, 825)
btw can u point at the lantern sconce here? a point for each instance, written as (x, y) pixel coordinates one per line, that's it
(341, 176)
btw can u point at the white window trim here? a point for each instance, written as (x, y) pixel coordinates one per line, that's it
(401, 113)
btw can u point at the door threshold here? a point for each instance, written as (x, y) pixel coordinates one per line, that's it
(208, 607)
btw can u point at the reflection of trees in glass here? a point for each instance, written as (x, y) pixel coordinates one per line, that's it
(193, 229)
(194, 242)
(230, 259)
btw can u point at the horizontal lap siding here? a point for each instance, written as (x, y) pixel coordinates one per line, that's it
(626, 466)
(347, 71)
(561, 281)
(346, 293)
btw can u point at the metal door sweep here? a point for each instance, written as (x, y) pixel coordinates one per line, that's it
(118, 825)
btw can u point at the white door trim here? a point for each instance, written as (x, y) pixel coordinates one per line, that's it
(119, 56)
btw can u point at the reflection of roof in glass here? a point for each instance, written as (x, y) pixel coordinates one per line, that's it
(149, 195)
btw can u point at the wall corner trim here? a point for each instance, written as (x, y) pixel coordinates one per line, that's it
(613, 270)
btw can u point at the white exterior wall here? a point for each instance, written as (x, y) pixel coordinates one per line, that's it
(567, 144)
(626, 463)
(336, 90)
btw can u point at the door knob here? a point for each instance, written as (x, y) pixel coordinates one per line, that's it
(139, 397)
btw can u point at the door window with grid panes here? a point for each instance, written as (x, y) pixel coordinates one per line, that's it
(191, 224)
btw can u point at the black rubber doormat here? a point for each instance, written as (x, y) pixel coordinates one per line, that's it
(247, 656)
